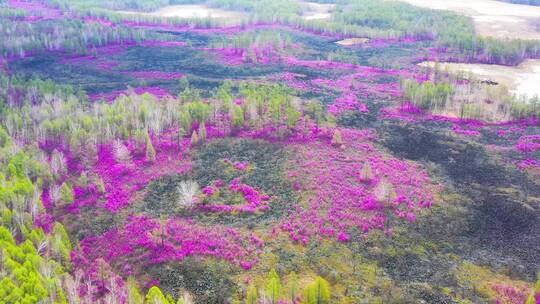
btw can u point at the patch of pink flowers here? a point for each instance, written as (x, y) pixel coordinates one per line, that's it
(238, 165)
(254, 200)
(528, 143)
(293, 80)
(253, 54)
(343, 197)
(510, 294)
(458, 130)
(347, 102)
(143, 242)
(123, 180)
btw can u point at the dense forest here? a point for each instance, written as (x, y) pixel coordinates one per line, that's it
(263, 157)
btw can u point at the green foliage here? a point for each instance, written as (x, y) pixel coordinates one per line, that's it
(318, 292)
(293, 287)
(273, 287)
(535, 293)
(202, 132)
(67, 195)
(150, 151)
(61, 245)
(186, 121)
(337, 139)
(194, 138)
(427, 95)
(252, 295)
(155, 296)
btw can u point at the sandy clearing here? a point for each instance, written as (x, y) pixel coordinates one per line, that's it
(523, 79)
(317, 11)
(492, 18)
(192, 11)
(352, 41)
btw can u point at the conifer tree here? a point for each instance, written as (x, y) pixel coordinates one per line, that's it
(366, 174)
(134, 294)
(534, 298)
(155, 296)
(194, 138)
(273, 287)
(150, 151)
(202, 132)
(252, 297)
(337, 140)
(318, 292)
(293, 287)
(66, 194)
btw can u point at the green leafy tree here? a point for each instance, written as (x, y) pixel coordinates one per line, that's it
(202, 132)
(293, 116)
(155, 296)
(134, 294)
(534, 298)
(150, 151)
(186, 121)
(238, 117)
(67, 195)
(194, 138)
(337, 139)
(293, 287)
(252, 297)
(318, 292)
(273, 287)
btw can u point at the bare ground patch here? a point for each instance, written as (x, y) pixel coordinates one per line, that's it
(492, 18)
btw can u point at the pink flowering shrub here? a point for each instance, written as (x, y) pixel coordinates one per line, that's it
(508, 294)
(458, 130)
(237, 165)
(340, 200)
(122, 180)
(528, 143)
(236, 198)
(294, 80)
(142, 242)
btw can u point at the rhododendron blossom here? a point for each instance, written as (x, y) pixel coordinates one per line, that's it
(341, 201)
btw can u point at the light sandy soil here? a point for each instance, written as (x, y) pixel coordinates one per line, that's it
(523, 79)
(492, 18)
(317, 11)
(352, 41)
(192, 11)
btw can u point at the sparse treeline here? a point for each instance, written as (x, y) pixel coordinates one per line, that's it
(69, 120)
(136, 5)
(256, 38)
(15, 92)
(274, 291)
(467, 97)
(352, 18)
(23, 38)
